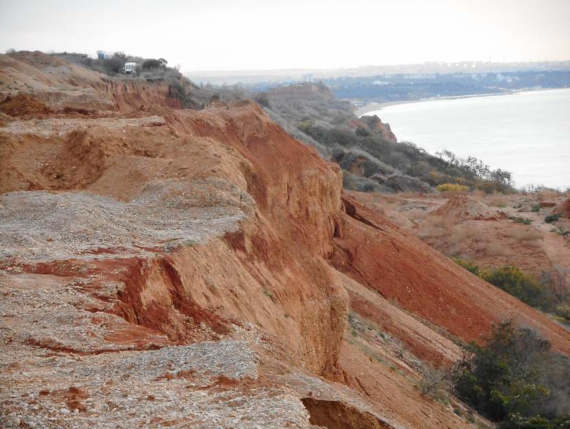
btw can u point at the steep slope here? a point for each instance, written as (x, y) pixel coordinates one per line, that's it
(212, 187)
(492, 231)
(377, 253)
(169, 267)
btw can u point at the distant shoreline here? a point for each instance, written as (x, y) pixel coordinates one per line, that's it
(525, 132)
(375, 106)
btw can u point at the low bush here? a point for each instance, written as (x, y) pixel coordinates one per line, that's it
(562, 311)
(513, 281)
(552, 218)
(434, 384)
(114, 64)
(443, 169)
(514, 379)
(516, 421)
(362, 132)
(516, 283)
(452, 187)
(519, 219)
(151, 64)
(468, 265)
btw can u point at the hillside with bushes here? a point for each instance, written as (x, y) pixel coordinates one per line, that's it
(368, 152)
(518, 242)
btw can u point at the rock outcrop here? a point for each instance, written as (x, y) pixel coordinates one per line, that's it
(376, 126)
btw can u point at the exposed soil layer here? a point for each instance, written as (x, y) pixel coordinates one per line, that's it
(338, 415)
(491, 230)
(377, 253)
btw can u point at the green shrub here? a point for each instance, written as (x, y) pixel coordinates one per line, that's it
(518, 219)
(114, 64)
(552, 218)
(516, 421)
(468, 265)
(362, 132)
(522, 286)
(457, 174)
(151, 64)
(503, 378)
(516, 283)
(563, 312)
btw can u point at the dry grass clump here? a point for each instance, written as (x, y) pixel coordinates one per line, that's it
(547, 195)
(527, 235)
(435, 384)
(500, 202)
(494, 249)
(465, 232)
(435, 227)
(478, 194)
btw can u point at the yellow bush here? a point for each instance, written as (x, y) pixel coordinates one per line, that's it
(451, 187)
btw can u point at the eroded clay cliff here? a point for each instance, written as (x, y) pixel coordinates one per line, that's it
(171, 267)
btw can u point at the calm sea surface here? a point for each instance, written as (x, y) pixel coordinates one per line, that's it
(527, 133)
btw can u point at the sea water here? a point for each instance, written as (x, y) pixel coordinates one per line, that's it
(526, 133)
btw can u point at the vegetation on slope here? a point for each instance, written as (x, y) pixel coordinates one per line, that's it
(381, 159)
(522, 286)
(516, 380)
(366, 149)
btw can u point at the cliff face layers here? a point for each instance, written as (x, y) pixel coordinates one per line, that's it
(190, 177)
(169, 267)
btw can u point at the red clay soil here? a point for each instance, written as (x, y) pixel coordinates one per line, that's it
(297, 196)
(563, 209)
(23, 105)
(373, 251)
(423, 341)
(339, 415)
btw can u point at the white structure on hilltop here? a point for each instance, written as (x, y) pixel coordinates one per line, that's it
(130, 67)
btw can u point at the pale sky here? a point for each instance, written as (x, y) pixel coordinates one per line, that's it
(268, 34)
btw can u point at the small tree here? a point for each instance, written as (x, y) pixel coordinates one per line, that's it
(151, 64)
(114, 64)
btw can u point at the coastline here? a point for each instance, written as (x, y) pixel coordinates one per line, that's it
(526, 132)
(375, 106)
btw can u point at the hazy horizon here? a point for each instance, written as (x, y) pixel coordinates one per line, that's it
(365, 66)
(251, 35)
